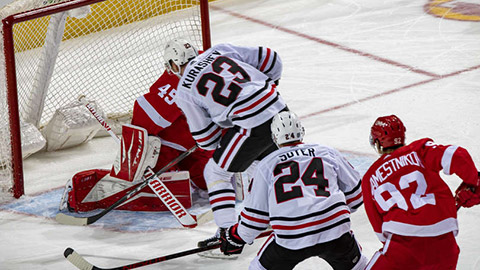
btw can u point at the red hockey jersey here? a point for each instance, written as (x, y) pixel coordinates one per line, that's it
(156, 110)
(404, 194)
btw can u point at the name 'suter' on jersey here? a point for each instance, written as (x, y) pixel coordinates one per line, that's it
(225, 79)
(306, 192)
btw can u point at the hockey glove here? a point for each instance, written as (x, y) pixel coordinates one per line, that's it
(467, 196)
(231, 242)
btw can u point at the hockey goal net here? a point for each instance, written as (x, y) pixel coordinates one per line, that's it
(55, 51)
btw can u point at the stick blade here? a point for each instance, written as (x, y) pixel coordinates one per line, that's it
(71, 220)
(204, 217)
(77, 260)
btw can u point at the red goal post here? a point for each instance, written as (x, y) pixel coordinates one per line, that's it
(108, 50)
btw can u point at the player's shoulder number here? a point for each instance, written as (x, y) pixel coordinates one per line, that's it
(167, 93)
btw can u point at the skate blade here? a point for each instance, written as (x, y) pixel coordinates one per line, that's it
(217, 254)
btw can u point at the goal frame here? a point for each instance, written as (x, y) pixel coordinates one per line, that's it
(11, 77)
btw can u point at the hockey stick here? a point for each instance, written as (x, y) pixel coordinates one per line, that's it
(150, 178)
(71, 220)
(77, 259)
(99, 118)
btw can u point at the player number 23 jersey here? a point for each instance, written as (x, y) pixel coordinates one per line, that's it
(230, 85)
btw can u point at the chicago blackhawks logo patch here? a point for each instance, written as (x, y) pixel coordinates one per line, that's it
(463, 10)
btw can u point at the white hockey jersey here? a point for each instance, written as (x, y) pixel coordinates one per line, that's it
(306, 192)
(229, 86)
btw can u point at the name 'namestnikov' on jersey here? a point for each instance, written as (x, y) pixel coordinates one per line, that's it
(229, 86)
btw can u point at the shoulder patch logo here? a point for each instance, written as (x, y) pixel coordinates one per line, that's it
(462, 10)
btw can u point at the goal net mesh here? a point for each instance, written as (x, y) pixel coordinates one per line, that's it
(109, 51)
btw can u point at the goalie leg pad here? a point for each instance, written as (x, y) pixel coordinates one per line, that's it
(179, 185)
(82, 184)
(96, 189)
(137, 152)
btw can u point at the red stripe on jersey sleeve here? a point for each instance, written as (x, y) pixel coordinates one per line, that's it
(359, 195)
(258, 220)
(257, 102)
(222, 199)
(265, 62)
(209, 136)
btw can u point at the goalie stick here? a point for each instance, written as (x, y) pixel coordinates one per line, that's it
(150, 178)
(99, 118)
(77, 259)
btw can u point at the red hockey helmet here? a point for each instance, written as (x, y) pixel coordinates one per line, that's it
(388, 131)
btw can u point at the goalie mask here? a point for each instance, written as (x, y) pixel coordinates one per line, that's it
(387, 132)
(286, 128)
(179, 52)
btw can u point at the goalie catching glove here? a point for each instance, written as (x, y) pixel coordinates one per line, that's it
(231, 242)
(467, 195)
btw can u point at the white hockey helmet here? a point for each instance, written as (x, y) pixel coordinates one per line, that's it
(180, 52)
(286, 128)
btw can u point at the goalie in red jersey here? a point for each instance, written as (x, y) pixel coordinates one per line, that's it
(409, 205)
(158, 133)
(160, 116)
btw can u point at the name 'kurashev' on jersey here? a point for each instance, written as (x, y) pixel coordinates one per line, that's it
(229, 86)
(305, 192)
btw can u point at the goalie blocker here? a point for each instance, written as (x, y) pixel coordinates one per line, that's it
(100, 188)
